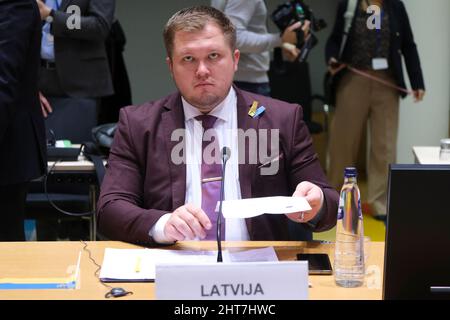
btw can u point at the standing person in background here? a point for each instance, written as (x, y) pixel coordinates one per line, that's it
(359, 99)
(22, 132)
(110, 105)
(74, 64)
(74, 75)
(255, 42)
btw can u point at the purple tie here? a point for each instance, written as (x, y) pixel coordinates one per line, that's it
(211, 175)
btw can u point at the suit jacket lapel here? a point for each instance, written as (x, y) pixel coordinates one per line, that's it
(171, 120)
(245, 122)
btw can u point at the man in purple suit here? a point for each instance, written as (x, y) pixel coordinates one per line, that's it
(160, 186)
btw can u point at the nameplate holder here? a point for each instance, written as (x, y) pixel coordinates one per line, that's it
(285, 280)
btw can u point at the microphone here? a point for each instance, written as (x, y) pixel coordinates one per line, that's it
(226, 153)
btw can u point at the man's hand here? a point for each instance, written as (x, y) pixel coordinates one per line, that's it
(418, 95)
(290, 35)
(290, 51)
(313, 195)
(45, 105)
(334, 66)
(186, 223)
(44, 10)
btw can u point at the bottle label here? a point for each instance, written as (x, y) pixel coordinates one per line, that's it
(340, 213)
(360, 215)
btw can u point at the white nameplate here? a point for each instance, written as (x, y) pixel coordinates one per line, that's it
(285, 280)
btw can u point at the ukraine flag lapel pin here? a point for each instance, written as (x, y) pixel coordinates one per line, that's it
(253, 109)
(259, 111)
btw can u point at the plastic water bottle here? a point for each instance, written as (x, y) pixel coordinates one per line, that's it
(349, 248)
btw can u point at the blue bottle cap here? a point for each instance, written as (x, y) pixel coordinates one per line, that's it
(350, 172)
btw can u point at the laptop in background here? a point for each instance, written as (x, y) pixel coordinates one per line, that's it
(417, 254)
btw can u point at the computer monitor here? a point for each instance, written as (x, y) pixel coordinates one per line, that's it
(417, 254)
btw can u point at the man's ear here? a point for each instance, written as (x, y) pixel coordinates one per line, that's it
(236, 56)
(170, 65)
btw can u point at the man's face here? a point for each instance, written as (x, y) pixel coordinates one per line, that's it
(202, 66)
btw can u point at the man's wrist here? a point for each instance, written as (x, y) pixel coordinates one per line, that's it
(49, 15)
(157, 231)
(323, 208)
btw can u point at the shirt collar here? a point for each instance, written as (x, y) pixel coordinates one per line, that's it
(221, 111)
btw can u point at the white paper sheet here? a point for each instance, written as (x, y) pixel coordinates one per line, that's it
(254, 255)
(139, 264)
(248, 208)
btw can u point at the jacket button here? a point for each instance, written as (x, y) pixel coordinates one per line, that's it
(397, 34)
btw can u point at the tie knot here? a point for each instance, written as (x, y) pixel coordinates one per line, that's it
(207, 121)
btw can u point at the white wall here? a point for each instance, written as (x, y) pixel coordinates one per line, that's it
(427, 122)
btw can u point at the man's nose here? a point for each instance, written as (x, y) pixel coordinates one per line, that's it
(202, 70)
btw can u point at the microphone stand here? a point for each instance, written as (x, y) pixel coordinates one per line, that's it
(225, 157)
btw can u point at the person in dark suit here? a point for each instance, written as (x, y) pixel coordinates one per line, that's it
(360, 99)
(74, 76)
(22, 133)
(74, 64)
(110, 105)
(157, 187)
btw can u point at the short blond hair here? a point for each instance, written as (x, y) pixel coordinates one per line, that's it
(195, 19)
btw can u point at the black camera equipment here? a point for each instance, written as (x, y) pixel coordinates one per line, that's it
(289, 13)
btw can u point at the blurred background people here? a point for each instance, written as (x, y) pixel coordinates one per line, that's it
(361, 99)
(22, 132)
(255, 42)
(110, 105)
(74, 64)
(74, 76)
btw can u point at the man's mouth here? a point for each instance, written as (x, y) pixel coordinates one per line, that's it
(203, 84)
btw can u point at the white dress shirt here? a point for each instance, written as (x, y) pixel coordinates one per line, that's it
(226, 130)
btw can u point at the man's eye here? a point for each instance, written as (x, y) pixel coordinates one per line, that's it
(213, 56)
(188, 59)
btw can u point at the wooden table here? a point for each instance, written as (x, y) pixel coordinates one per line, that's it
(53, 259)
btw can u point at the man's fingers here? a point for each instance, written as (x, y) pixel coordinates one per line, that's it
(200, 215)
(291, 51)
(295, 26)
(45, 103)
(187, 223)
(306, 25)
(334, 70)
(44, 113)
(300, 216)
(311, 192)
(173, 233)
(191, 221)
(313, 199)
(182, 227)
(47, 106)
(194, 225)
(313, 195)
(419, 95)
(303, 188)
